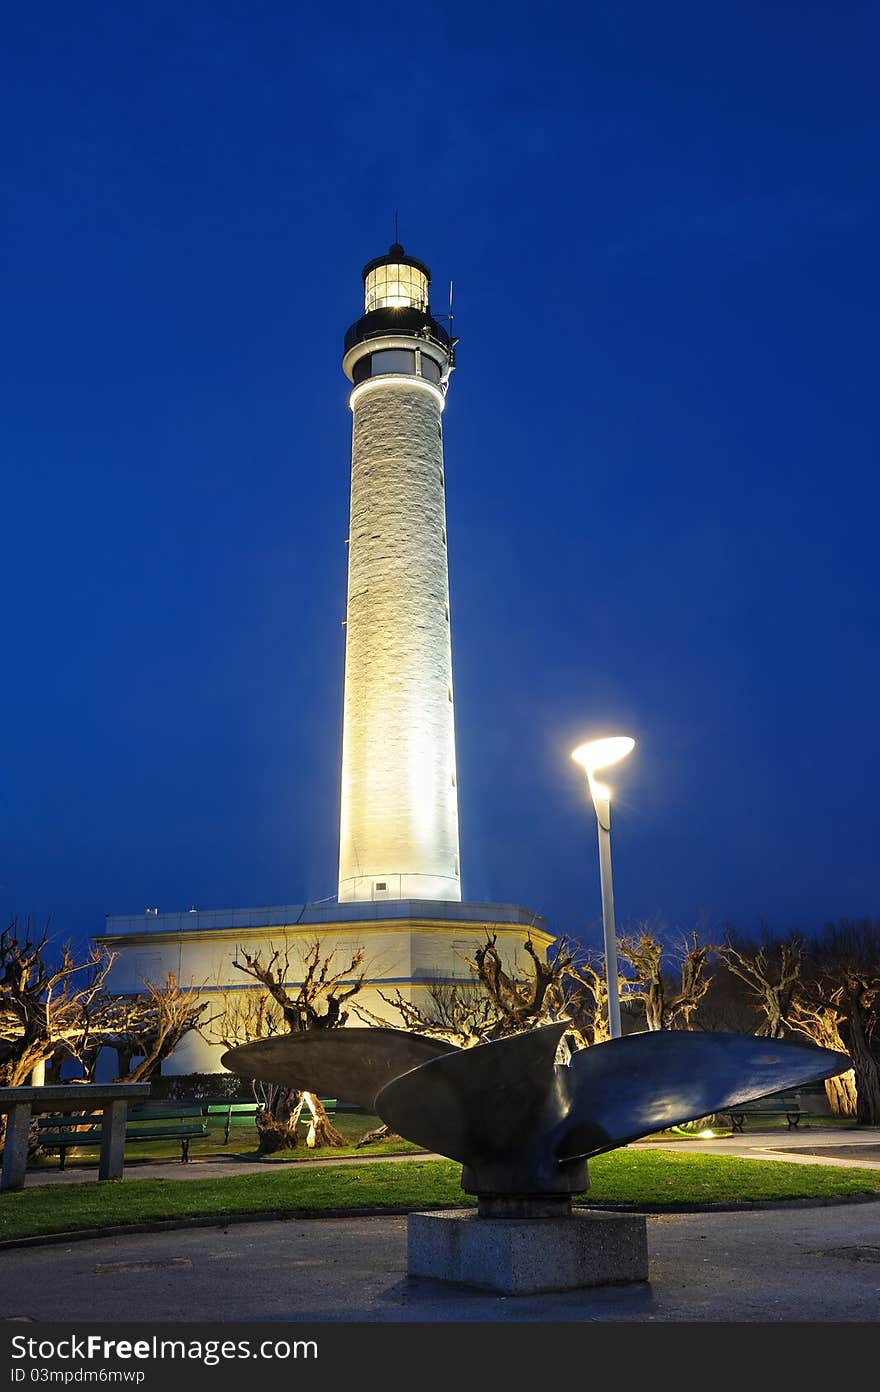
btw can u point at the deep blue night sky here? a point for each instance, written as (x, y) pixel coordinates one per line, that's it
(662, 223)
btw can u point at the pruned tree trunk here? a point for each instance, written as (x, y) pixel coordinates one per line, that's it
(53, 1069)
(321, 1130)
(276, 1122)
(866, 1065)
(89, 1061)
(838, 1021)
(841, 1094)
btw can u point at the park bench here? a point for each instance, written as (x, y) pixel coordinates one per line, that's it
(786, 1103)
(153, 1121)
(229, 1114)
(111, 1100)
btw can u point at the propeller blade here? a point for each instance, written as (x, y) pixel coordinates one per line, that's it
(351, 1064)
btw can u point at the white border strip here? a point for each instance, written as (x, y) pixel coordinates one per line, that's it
(410, 380)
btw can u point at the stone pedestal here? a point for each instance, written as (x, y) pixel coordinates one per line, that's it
(524, 1256)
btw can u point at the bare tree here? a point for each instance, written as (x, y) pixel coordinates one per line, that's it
(729, 1005)
(459, 1012)
(772, 972)
(586, 1000)
(44, 1003)
(668, 1004)
(820, 1018)
(244, 1017)
(316, 1003)
(499, 1002)
(159, 1020)
(148, 1026)
(841, 998)
(522, 1002)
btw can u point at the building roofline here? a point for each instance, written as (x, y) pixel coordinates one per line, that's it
(315, 915)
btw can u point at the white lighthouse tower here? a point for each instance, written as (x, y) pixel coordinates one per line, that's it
(399, 805)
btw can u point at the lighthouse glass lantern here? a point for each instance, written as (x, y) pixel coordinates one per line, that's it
(398, 283)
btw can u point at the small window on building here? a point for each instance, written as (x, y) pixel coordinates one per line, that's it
(381, 884)
(430, 369)
(443, 535)
(394, 360)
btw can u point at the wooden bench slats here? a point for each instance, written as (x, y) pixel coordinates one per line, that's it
(786, 1103)
(148, 1122)
(232, 1114)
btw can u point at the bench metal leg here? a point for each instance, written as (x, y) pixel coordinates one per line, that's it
(113, 1140)
(62, 1156)
(184, 1150)
(15, 1149)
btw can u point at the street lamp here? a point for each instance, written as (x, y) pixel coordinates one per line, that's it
(593, 756)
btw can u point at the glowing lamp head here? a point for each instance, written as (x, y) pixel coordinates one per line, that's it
(601, 754)
(396, 281)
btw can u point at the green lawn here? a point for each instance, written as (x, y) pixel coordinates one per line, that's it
(649, 1179)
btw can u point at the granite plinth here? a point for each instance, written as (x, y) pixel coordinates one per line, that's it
(524, 1256)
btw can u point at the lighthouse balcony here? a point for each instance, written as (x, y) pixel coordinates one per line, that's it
(384, 323)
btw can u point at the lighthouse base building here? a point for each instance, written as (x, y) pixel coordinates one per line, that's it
(407, 946)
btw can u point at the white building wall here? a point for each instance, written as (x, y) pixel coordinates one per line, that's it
(399, 805)
(398, 956)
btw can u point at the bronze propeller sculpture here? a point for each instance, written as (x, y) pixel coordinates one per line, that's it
(521, 1125)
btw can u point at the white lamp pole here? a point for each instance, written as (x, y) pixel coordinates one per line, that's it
(595, 755)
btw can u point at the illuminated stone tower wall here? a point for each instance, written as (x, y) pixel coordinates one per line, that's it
(399, 804)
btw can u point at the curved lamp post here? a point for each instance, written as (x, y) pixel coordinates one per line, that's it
(593, 756)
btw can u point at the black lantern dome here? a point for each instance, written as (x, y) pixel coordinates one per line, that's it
(396, 300)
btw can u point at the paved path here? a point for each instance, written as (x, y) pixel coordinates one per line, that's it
(213, 1167)
(826, 1145)
(781, 1265)
(791, 1264)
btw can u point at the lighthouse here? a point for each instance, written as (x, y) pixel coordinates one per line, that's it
(399, 902)
(398, 834)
